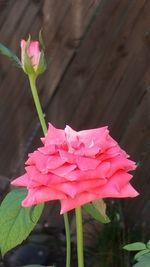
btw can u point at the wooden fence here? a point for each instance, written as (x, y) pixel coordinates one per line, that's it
(98, 54)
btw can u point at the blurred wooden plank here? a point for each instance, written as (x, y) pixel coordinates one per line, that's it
(64, 36)
(12, 20)
(97, 69)
(136, 141)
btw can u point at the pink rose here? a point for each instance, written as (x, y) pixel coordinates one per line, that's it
(76, 168)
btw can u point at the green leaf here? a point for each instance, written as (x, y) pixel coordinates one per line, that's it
(35, 265)
(144, 261)
(8, 53)
(16, 222)
(138, 255)
(97, 213)
(100, 206)
(148, 244)
(135, 246)
(142, 264)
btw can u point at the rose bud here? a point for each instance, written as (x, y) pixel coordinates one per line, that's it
(32, 58)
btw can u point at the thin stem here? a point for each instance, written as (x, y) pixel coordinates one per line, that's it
(79, 228)
(32, 80)
(68, 241)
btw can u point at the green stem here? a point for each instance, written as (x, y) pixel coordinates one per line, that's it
(68, 241)
(32, 80)
(79, 227)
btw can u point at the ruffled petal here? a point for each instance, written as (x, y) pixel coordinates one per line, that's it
(100, 172)
(39, 160)
(64, 170)
(115, 182)
(41, 194)
(72, 138)
(85, 164)
(44, 162)
(67, 156)
(72, 203)
(114, 186)
(22, 180)
(112, 152)
(128, 191)
(48, 150)
(97, 137)
(54, 136)
(121, 163)
(93, 136)
(74, 188)
(43, 179)
(87, 151)
(54, 162)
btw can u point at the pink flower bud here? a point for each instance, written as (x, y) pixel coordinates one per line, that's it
(31, 57)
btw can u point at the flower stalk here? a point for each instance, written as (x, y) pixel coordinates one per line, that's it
(79, 227)
(32, 81)
(68, 241)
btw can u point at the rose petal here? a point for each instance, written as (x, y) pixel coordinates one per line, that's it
(43, 179)
(85, 164)
(64, 170)
(67, 156)
(34, 53)
(112, 152)
(79, 200)
(22, 180)
(74, 188)
(54, 162)
(54, 136)
(40, 195)
(115, 183)
(121, 163)
(44, 162)
(128, 191)
(87, 151)
(48, 150)
(100, 172)
(98, 137)
(39, 160)
(114, 186)
(72, 137)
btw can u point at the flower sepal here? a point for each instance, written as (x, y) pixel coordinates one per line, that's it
(42, 64)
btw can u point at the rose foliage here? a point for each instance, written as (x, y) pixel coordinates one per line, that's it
(76, 168)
